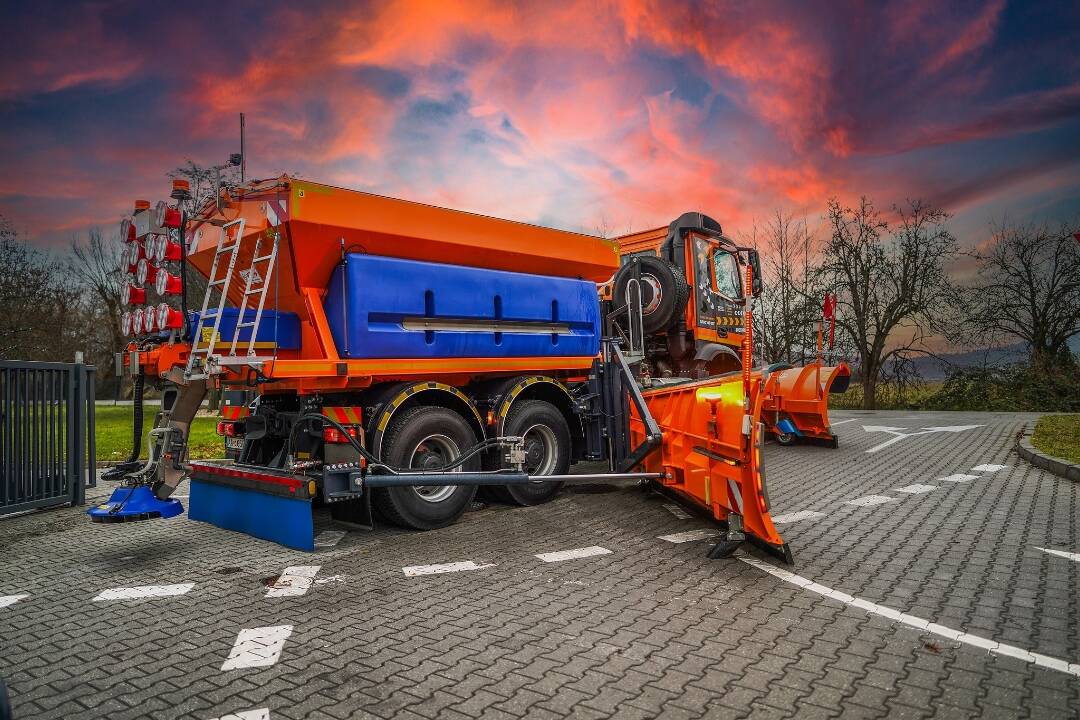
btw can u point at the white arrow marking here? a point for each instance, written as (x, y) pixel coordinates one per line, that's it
(560, 555)
(144, 591)
(6, 600)
(882, 428)
(985, 468)
(414, 570)
(993, 646)
(900, 436)
(1075, 557)
(951, 428)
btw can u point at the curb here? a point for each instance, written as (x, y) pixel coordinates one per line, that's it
(1026, 450)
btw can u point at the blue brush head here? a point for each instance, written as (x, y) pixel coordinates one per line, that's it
(128, 504)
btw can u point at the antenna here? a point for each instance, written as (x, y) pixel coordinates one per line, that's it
(243, 155)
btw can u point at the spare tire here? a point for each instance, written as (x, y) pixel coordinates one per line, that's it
(664, 291)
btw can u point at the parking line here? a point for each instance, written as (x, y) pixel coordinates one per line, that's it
(144, 591)
(992, 646)
(916, 489)
(959, 478)
(841, 422)
(7, 600)
(1075, 557)
(257, 647)
(329, 538)
(870, 500)
(797, 516)
(690, 535)
(989, 468)
(414, 570)
(560, 555)
(293, 582)
(677, 511)
(260, 714)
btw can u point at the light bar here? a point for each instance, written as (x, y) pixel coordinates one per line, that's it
(137, 321)
(127, 230)
(125, 323)
(149, 320)
(168, 318)
(167, 283)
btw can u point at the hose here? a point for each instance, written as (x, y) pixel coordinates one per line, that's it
(132, 462)
(376, 462)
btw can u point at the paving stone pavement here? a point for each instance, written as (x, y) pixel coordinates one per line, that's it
(653, 629)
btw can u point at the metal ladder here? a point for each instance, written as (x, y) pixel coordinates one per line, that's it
(196, 369)
(264, 284)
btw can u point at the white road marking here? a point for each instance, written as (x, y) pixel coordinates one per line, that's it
(989, 468)
(841, 422)
(257, 647)
(868, 500)
(690, 535)
(959, 478)
(1075, 557)
(144, 591)
(329, 538)
(330, 579)
(260, 714)
(8, 600)
(898, 436)
(916, 489)
(293, 582)
(414, 570)
(677, 511)
(796, 516)
(993, 646)
(560, 555)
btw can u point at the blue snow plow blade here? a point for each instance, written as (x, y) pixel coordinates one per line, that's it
(128, 504)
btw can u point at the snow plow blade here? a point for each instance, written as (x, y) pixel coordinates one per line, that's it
(711, 455)
(796, 405)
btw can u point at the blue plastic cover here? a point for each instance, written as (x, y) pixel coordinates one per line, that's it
(134, 503)
(370, 296)
(280, 327)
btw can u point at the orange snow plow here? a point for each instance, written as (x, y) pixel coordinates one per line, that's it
(797, 404)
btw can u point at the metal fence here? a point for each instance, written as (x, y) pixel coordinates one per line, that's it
(46, 434)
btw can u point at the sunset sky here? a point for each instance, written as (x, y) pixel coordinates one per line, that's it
(574, 115)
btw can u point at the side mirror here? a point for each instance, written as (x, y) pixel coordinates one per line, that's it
(756, 283)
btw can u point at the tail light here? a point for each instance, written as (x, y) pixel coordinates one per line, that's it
(166, 283)
(226, 429)
(168, 318)
(137, 321)
(134, 253)
(333, 435)
(145, 272)
(165, 216)
(125, 323)
(160, 248)
(132, 295)
(127, 230)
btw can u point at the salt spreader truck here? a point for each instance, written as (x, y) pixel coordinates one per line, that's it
(404, 355)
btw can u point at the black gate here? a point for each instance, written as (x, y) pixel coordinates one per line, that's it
(46, 434)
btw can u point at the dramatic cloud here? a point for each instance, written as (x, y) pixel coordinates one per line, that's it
(618, 114)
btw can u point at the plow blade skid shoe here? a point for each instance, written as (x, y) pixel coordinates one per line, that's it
(129, 504)
(798, 403)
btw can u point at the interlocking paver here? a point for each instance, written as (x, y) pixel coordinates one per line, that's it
(653, 629)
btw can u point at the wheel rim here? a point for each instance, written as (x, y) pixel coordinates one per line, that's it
(657, 294)
(784, 438)
(540, 450)
(433, 452)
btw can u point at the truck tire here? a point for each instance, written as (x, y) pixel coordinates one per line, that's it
(664, 292)
(426, 437)
(547, 450)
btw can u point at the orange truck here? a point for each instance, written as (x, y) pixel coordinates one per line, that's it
(405, 355)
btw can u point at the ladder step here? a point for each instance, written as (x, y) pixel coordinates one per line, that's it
(228, 248)
(245, 325)
(261, 258)
(256, 291)
(212, 283)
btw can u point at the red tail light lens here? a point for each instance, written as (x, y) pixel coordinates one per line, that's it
(333, 435)
(226, 429)
(166, 283)
(132, 295)
(168, 318)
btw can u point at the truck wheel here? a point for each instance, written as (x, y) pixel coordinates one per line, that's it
(547, 450)
(426, 438)
(664, 292)
(784, 438)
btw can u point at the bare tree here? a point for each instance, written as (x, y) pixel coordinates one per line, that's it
(790, 305)
(1028, 287)
(891, 283)
(95, 265)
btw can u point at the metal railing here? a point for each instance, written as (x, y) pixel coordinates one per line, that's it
(46, 434)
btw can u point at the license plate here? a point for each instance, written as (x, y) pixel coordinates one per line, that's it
(234, 443)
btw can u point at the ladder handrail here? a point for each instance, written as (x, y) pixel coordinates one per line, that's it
(212, 282)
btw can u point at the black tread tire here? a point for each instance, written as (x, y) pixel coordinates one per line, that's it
(524, 415)
(401, 505)
(674, 291)
(785, 439)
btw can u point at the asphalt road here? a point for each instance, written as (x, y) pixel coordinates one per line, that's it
(923, 585)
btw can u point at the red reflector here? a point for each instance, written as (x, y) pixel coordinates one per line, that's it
(221, 428)
(333, 435)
